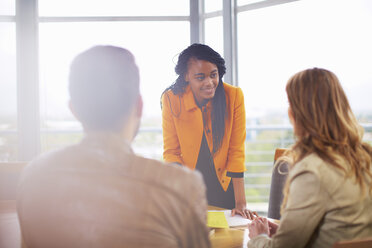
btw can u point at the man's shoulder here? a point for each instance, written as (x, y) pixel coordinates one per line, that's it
(62, 159)
(169, 175)
(170, 171)
(56, 156)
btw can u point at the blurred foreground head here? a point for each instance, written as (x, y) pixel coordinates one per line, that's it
(104, 87)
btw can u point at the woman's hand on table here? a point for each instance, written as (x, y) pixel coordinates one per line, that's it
(259, 226)
(243, 211)
(272, 228)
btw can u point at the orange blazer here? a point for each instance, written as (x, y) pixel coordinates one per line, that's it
(183, 131)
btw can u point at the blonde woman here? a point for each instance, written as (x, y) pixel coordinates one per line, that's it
(328, 195)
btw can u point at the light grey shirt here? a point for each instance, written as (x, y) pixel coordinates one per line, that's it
(323, 207)
(100, 194)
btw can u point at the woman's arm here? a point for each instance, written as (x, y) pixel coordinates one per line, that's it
(240, 202)
(236, 150)
(236, 155)
(171, 146)
(303, 214)
(262, 226)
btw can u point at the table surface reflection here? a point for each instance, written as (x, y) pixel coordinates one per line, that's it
(232, 237)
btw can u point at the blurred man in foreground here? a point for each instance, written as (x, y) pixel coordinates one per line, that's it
(98, 193)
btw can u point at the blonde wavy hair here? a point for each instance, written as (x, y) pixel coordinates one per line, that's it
(325, 125)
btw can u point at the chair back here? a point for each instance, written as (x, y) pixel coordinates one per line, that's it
(277, 184)
(279, 152)
(9, 178)
(359, 243)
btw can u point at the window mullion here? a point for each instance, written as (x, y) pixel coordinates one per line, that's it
(229, 41)
(27, 79)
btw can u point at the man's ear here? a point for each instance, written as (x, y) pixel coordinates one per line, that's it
(186, 77)
(72, 109)
(139, 107)
(290, 116)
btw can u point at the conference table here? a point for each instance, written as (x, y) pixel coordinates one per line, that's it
(233, 237)
(10, 235)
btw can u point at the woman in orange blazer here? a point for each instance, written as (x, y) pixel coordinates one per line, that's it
(204, 126)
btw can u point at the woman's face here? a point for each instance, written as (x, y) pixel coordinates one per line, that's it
(203, 79)
(290, 115)
(292, 120)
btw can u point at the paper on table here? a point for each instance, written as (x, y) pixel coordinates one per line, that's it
(216, 219)
(233, 221)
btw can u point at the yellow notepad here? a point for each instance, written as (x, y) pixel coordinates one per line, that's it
(217, 220)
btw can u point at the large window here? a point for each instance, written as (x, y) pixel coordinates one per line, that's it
(57, 31)
(214, 34)
(8, 90)
(299, 35)
(65, 31)
(7, 7)
(154, 44)
(276, 42)
(264, 42)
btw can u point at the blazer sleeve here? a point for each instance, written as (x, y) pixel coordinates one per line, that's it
(304, 211)
(171, 145)
(236, 152)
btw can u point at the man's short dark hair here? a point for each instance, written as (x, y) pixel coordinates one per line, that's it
(103, 86)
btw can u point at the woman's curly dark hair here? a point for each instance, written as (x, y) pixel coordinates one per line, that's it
(204, 52)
